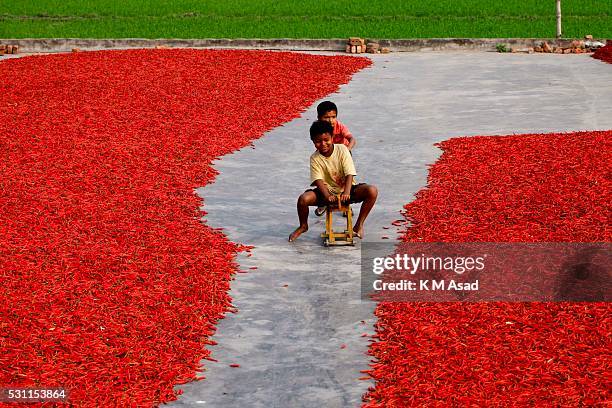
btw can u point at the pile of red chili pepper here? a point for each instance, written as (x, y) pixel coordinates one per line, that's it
(522, 188)
(110, 283)
(604, 54)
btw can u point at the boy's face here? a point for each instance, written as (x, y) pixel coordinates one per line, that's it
(324, 144)
(330, 116)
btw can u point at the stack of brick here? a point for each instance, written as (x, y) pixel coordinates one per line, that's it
(373, 47)
(358, 45)
(574, 47)
(8, 49)
(570, 47)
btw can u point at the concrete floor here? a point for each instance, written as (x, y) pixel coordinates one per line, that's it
(297, 335)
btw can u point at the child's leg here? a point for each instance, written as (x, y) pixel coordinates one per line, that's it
(308, 198)
(366, 194)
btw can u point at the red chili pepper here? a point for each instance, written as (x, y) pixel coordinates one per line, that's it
(100, 230)
(523, 188)
(604, 54)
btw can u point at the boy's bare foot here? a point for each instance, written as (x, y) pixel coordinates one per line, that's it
(358, 231)
(298, 231)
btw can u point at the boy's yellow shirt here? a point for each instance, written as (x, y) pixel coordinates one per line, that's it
(333, 169)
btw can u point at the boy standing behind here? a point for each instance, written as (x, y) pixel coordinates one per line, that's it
(328, 111)
(332, 172)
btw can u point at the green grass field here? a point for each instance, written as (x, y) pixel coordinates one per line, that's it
(301, 19)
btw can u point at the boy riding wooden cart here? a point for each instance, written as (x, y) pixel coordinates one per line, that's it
(332, 173)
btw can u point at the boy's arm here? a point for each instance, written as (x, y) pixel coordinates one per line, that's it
(346, 192)
(352, 141)
(330, 198)
(348, 168)
(316, 177)
(346, 134)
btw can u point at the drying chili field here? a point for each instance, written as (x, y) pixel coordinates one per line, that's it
(114, 283)
(111, 285)
(522, 188)
(604, 54)
(306, 19)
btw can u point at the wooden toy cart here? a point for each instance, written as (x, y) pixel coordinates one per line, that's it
(334, 238)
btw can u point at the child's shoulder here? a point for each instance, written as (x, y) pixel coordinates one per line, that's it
(340, 124)
(341, 128)
(342, 150)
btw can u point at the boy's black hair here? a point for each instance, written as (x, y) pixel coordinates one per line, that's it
(325, 107)
(320, 127)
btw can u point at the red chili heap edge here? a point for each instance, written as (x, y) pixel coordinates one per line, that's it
(604, 54)
(110, 284)
(523, 188)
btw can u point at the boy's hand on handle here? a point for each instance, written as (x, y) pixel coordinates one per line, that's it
(345, 195)
(329, 198)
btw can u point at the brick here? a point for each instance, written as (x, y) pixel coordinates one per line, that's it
(348, 48)
(372, 48)
(577, 44)
(353, 41)
(538, 49)
(567, 50)
(588, 37)
(546, 47)
(385, 50)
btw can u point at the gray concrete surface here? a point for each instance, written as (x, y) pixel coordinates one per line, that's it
(298, 309)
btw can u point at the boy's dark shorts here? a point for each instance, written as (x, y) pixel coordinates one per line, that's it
(322, 202)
